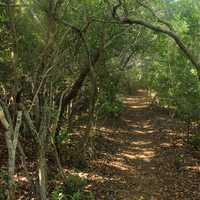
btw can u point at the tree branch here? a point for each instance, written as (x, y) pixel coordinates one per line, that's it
(188, 54)
(171, 34)
(154, 15)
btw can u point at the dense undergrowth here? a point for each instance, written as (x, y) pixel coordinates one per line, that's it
(66, 67)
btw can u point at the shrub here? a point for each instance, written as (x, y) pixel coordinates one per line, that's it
(110, 109)
(75, 184)
(58, 194)
(75, 196)
(4, 178)
(71, 190)
(195, 141)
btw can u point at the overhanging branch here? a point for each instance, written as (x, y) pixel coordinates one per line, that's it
(171, 34)
(155, 16)
(127, 20)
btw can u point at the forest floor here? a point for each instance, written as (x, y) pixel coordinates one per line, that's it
(144, 158)
(140, 157)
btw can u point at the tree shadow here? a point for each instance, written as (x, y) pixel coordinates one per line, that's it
(140, 159)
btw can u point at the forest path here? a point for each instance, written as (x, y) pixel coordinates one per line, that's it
(143, 159)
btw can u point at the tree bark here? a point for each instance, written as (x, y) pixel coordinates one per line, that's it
(171, 34)
(11, 136)
(127, 20)
(72, 94)
(42, 173)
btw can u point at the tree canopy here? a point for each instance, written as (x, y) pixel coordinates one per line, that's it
(66, 63)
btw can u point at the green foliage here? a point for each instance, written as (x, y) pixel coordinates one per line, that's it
(179, 160)
(131, 81)
(168, 74)
(176, 87)
(111, 109)
(109, 104)
(51, 46)
(2, 194)
(195, 141)
(58, 194)
(71, 190)
(75, 196)
(64, 135)
(75, 184)
(4, 178)
(175, 82)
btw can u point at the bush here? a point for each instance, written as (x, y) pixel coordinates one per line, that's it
(4, 178)
(179, 160)
(108, 103)
(71, 190)
(195, 141)
(110, 109)
(176, 85)
(2, 194)
(75, 184)
(58, 194)
(75, 196)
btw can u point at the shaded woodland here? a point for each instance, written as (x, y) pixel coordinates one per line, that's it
(99, 99)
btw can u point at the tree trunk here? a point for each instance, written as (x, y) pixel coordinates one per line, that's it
(42, 173)
(11, 173)
(11, 136)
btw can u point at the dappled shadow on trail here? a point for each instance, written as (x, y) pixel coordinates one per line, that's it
(140, 160)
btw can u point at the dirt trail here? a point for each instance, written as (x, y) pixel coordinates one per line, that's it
(143, 159)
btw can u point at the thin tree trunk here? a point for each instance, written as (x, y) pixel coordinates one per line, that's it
(11, 136)
(11, 173)
(42, 173)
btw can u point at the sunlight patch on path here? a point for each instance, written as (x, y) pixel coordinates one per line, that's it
(140, 161)
(145, 155)
(139, 106)
(121, 166)
(141, 142)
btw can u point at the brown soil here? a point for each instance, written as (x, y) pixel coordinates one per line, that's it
(145, 159)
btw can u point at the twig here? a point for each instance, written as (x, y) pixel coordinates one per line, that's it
(154, 15)
(39, 87)
(158, 29)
